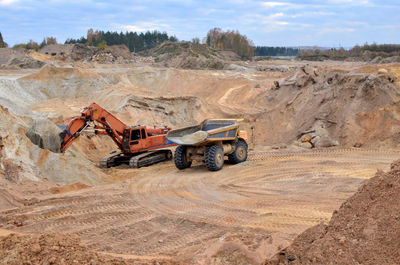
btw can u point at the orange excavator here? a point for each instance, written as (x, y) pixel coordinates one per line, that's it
(139, 145)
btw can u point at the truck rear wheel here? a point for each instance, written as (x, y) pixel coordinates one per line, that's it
(180, 158)
(214, 158)
(240, 153)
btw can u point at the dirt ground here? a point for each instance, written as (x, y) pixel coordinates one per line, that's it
(364, 230)
(242, 214)
(253, 209)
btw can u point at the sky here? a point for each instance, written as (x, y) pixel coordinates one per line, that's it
(327, 23)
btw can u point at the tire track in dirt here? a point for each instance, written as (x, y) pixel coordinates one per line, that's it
(166, 211)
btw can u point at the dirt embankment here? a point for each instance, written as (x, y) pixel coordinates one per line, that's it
(18, 58)
(56, 248)
(186, 55)
(46, 135)
(21, 160)
(365, 230)
(350, 108)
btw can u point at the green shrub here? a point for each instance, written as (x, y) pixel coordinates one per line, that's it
(102, 45)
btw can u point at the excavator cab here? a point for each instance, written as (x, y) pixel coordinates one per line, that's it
(133, 139)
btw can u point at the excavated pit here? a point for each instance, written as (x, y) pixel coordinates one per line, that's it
(338, 108)
(46, 135)
(239, 214)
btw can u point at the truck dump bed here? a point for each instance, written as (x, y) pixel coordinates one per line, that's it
(207, 131)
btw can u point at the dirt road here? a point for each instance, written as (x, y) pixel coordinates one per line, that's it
(259, 205)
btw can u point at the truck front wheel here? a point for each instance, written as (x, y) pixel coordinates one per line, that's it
(214, 158)
(180, 158)
(240, 153)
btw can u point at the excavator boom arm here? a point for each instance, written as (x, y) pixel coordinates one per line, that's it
(94, 119)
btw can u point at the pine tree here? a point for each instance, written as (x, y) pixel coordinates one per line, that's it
(43, 43)
(2, 43)
(134, 41)
(51, 40)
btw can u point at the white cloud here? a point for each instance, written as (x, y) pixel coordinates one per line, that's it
(269, 23)
(351, 2)
(136, 8)
(337, 30)
(351, 24)
(276, 15)
(312, 14)
(387, 27)
(206, 11)
(143, 26)
(281, 23)
(7, 2)
(273, 4)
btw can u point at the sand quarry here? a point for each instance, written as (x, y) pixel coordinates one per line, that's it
(64, 209)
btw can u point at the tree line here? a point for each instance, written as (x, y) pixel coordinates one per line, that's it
(355, 51)
(230, 40)
(33, 45)
(134, 41)
(275, 51)
(215, 38)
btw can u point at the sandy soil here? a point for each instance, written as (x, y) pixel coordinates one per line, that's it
(239, 215)
(364, 230)
(252, 209)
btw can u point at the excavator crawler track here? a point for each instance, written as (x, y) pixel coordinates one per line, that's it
(150, 158)
(135, 160)
(110, 160)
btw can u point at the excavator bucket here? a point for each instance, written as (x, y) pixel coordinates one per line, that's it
(46, 135)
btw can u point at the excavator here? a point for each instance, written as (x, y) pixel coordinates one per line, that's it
(138, 145)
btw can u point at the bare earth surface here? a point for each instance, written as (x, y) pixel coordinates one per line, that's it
(364, 230)
(242, 214)
(254, 208)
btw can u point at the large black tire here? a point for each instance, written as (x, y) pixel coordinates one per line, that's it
(240, 153)
(180, 158)
(214, 158)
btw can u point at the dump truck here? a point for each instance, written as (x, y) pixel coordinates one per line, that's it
(138, 145)
(209, 142)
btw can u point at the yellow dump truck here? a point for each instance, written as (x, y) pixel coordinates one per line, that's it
(210, 142)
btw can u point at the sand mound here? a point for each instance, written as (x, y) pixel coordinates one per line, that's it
(119, 51)
(26, 62)
(68, 188)
(8, 54)
(21, 159)
(46, 135)
(348, 108)
(186, 55)
(365, 230)
(163, 110)
(114, 53)
(56, 248)
(59, 82)
(393, 59)
(82, 52)
(14, 58)
(49, 249)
